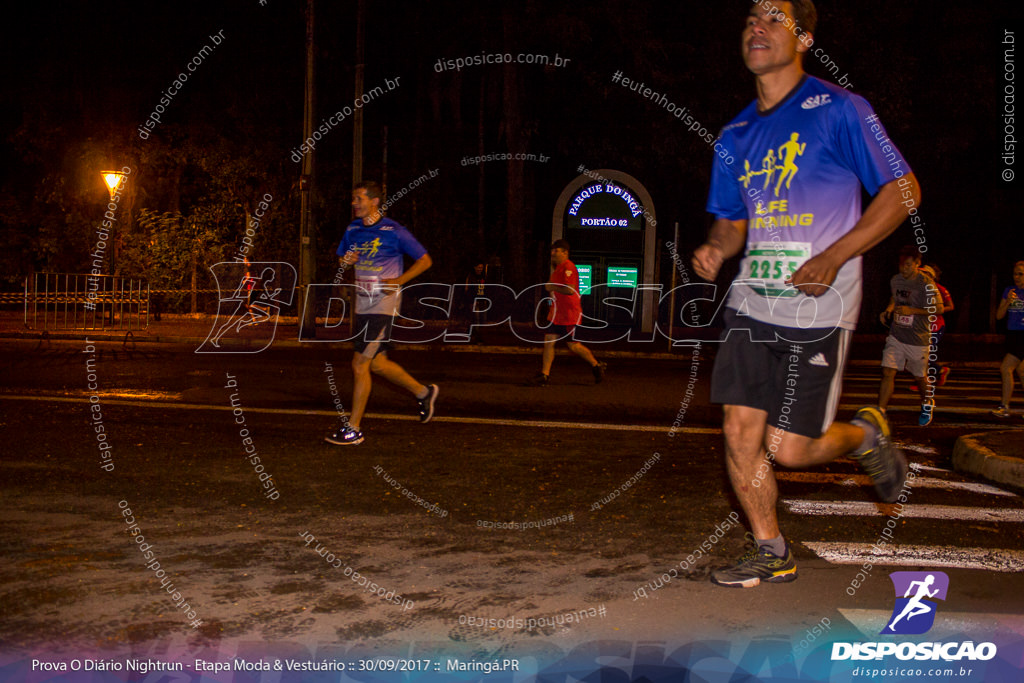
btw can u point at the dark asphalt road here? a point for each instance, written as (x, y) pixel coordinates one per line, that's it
(74, 580)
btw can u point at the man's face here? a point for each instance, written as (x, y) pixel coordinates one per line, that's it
(362, 205)
(1018, 276)
(478, 269)
(558, 256)
(768, 45)
(908, 267)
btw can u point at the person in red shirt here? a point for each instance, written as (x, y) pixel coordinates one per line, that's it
(565, 314)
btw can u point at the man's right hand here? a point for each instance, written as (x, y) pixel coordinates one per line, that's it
(707, 260)
(350, 257)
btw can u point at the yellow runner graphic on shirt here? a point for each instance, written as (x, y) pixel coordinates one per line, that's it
(782, 162)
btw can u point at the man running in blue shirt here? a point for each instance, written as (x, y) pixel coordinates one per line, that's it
(794, 304)
(375, 246)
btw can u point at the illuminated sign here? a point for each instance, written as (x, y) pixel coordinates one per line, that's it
(619, 276)
(585, 278)
(605, 206)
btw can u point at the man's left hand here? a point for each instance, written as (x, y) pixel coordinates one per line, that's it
(816, 276)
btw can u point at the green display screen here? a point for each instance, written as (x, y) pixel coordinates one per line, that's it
(585, 278)
(619, 276)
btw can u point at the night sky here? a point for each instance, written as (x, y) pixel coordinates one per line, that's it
(82, 77)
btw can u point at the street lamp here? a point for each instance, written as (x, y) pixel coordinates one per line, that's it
(113, 179)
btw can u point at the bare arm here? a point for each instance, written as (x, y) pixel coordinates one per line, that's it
(888, 310)
(421, 264)
(725, 240)
(884, 214)
(947, 304)
(1004, 305)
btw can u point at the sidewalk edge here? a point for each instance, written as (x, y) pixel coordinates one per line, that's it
(973, 457)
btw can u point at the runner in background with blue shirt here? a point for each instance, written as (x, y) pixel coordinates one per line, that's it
(792, 201)
(376, 246)
(1012, 305)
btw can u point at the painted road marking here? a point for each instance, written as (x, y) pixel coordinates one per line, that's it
(916, 408)
(865, 480)
(865, 509)
(991, 559)
(930, 468)
(927, 450)
(546, 424)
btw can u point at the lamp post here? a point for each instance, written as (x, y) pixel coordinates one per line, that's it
(307, 249)
(113, 179)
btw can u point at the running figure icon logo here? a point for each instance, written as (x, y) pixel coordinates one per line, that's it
(916, 592)
(249, 294)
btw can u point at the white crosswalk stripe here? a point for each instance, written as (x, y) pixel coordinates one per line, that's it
(865, 481)
(992, 559)
(945, 504)
(864, 509)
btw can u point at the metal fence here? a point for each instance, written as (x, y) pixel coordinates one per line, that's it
(66, 301)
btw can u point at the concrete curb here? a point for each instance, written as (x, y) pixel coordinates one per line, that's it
(971, 455)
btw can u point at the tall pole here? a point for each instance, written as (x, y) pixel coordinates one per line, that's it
(307, 253)
(357, 121)
(672, 289)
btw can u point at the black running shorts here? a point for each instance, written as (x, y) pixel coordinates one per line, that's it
(794, 375)
(376, 338)
(565, 332)
(1015, 343)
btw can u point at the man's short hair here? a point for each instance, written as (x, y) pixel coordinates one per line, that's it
(911, 252)
(805, 15)
(560, 244)
(373, 189)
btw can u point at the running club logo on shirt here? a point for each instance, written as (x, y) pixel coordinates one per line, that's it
(916, 592)
(777, 164)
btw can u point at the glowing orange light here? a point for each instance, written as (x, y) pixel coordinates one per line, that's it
(113, 179)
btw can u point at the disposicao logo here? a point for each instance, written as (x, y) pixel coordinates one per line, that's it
(913, 614)
(249, 294)
(916, 592)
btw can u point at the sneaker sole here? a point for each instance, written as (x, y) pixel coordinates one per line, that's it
(781, 577)
(430, 405)
(926, 416)
(343, 443)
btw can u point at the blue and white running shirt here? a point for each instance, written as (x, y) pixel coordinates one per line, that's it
(796, 178)
(381, 247)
